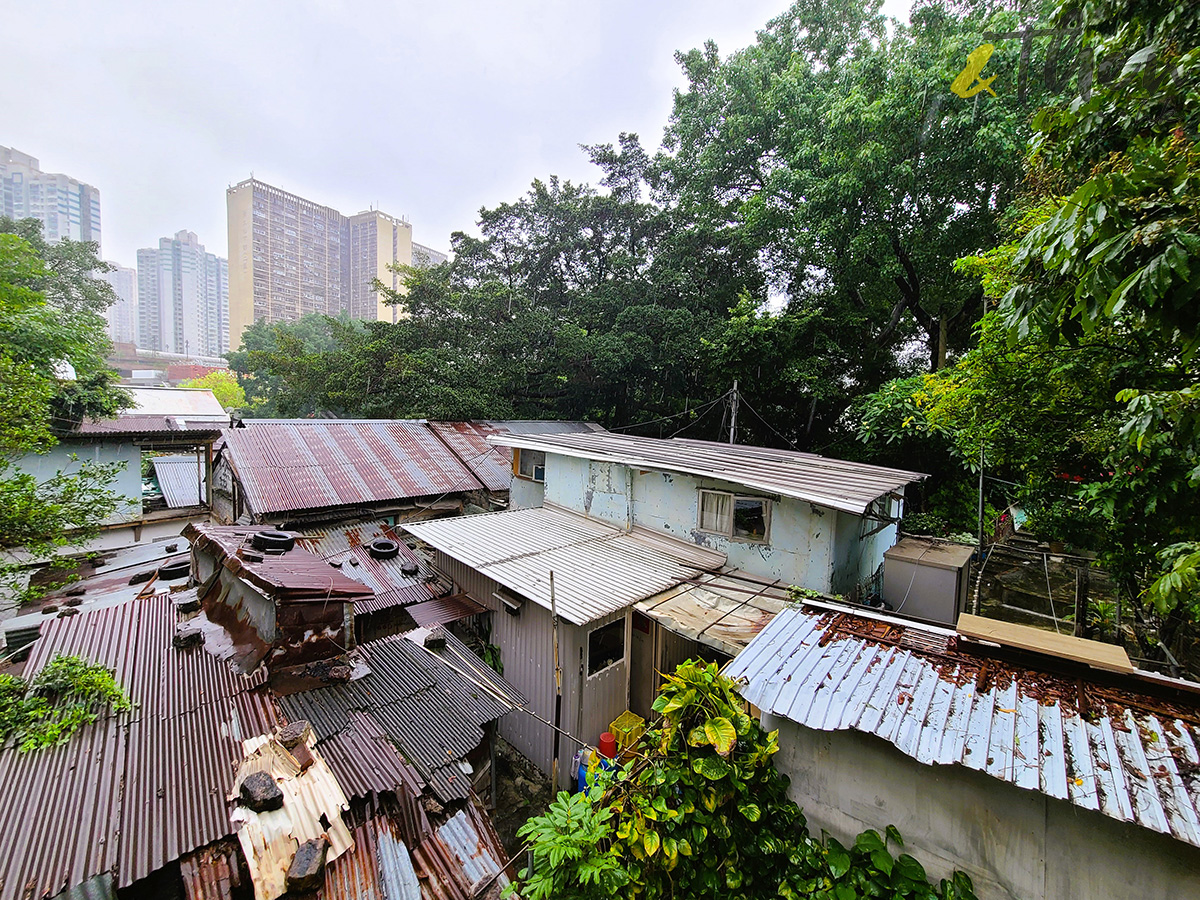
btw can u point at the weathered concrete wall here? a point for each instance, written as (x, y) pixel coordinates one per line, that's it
(1015, 844)
(801, 546)
(126, 483)
(856, 558)
(525, 494)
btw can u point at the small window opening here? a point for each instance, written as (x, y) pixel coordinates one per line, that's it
(606, 646)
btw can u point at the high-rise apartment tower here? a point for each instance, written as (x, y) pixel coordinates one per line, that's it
(289, 257)
(123, 315)
(66, 207)
(183, 298)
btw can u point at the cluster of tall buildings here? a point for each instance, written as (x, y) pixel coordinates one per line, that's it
(288, 257)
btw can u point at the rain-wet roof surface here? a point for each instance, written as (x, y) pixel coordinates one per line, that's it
(833, 483)
(431, 703)
(1128, 747)
(136, 790)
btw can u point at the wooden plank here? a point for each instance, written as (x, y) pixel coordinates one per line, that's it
(1092, 653)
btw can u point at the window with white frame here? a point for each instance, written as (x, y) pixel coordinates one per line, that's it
(737, 517)
(530, 464)
(606, 646)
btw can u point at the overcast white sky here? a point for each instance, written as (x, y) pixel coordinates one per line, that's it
(425, 110)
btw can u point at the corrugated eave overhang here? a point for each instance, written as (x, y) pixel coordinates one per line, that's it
(832, 483)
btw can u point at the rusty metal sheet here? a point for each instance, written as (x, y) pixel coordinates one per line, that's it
(444, 610)
(130, 792)
(432, 705)
(292, 466)
(1115, 749)
(215, 872)
(345, 546)
(724, 611)
(832, 483)
(491, 465)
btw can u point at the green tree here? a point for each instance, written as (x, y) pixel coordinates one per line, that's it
(225, 388)
(53, 374)
(702, 812)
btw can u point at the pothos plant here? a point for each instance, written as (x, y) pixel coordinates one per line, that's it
(701, 811)
(68, 693)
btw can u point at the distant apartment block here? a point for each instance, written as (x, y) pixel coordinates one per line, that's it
(123, 315)
(289, 257)
(426, 257)
(183, 298)
(66, 207)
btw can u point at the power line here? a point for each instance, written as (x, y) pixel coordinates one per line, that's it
(704, 407)
(701, 416)
(769, 425)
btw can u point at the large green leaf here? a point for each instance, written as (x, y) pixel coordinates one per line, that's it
(721, 734)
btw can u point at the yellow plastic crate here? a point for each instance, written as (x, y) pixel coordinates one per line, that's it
(627, 728)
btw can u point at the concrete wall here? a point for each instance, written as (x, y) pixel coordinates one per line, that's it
(858, 557)
(126, 483)
(1015, 844)
(525, 494)
(801, 539)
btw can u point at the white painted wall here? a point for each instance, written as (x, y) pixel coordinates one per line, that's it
(1015, 844)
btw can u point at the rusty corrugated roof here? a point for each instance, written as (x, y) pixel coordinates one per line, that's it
(291, 466)
(345, 546)
(134, 791)
(1099, 741)
(833, 483)
(295, 576)
(491, 465)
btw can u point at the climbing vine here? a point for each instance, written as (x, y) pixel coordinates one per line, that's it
(68, 693)
(701, 811)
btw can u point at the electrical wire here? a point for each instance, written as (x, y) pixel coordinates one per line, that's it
(1050, 591)
(746, 403)
(705, 406)
(696, 420)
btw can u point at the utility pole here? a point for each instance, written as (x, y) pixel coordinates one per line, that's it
(733, 407)
(981, 503)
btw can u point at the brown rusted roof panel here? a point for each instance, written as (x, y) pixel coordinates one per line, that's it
(133, 791)
(289, 466)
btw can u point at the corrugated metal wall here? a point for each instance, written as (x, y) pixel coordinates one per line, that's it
(526, 643)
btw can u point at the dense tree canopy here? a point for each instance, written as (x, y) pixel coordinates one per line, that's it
(1083, 387)
(52, 375)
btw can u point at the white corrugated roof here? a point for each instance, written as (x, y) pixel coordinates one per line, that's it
(598, 569)
(832, 483)
(1127, 754)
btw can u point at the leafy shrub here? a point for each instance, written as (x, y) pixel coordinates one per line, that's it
(68, 693)
(702, 812)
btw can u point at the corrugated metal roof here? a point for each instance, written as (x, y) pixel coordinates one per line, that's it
(181, 479)
(131, 792)
(444, 610)
(295, 576)
(289, 466)
(491, 465)
(598, 569)
(433, 705)
(184, 411)
(346, 547)
(215, 872)
(724, 611)
(832, 483)
(378, 867)
(313, 804)
(1128, 754)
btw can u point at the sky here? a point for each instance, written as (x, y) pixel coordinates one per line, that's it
(423, 110)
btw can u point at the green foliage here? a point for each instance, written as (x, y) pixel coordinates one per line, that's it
(702, 812)
(50, 314)
(65, 695)
(225, 388)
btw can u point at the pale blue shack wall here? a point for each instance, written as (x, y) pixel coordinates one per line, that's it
(525, 494)
(126, 483)
(802, 536)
